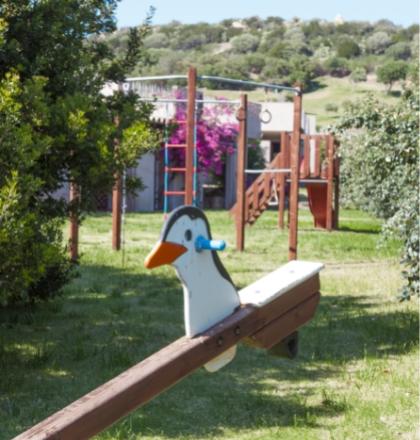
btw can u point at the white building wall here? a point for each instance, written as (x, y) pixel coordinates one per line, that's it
(145, 170)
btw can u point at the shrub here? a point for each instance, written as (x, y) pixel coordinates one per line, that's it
(302, 71)
(348, 48)
(245, 43)
(275, 70)
(358, 75)
(399, 51)
(378, 42)
(330, 107)
(157, 40)
(338, 67)
(380, 168)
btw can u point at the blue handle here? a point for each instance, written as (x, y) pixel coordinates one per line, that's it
(202, 243)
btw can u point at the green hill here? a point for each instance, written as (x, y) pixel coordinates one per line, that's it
(335, 62)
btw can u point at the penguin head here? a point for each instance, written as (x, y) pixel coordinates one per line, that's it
(185, 241)
(178, 237)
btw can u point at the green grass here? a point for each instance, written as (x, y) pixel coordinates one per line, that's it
(338, 91)
(356, 376)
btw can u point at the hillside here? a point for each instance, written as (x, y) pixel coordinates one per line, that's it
(334, 61)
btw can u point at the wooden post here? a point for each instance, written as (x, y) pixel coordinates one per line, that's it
(317, 166)
(282, 179)
(336, 187)
(330, 182)
(240, 173)
(74, 224)
(306, 156)
(189, 155)
(294, 184)
(116, 213)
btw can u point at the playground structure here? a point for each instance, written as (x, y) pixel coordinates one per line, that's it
(266, 314)
(299, 162)
(320, 176)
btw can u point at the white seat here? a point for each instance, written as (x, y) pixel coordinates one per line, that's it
(271, 286)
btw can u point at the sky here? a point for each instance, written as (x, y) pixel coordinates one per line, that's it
(133, 12)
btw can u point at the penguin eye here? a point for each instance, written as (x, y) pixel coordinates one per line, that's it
(188, 234)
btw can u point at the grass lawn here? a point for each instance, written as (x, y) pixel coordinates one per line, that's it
(356, 376)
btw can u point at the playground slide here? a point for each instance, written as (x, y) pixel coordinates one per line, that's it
(317, 198)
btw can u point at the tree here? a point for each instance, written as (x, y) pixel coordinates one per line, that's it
(302, 71)
(245, 43)
(378, 42)
(338, 67)
(56, 128)
(348, 48)
(380, 169)
(391, 72)
(399, 51)
(157, 40)
(358, 75)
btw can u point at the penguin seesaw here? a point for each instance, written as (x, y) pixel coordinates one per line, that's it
(265, 314)
(210, 294)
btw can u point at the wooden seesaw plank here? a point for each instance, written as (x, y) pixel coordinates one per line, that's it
(106, 404)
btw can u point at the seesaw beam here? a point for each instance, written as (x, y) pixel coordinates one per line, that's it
(106, 404)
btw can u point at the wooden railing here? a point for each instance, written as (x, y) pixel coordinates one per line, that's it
(313, 165)
(259, 193)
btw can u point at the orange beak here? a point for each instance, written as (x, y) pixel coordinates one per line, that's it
(164, 252)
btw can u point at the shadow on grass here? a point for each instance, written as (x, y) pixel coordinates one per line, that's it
(314, 86)
(370, 231)
(111, 319)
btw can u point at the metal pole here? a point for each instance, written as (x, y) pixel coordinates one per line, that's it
(189, 155)
(240, 173)
(294, 185)
(116, 202)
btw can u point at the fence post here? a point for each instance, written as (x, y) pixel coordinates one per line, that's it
(294, 177)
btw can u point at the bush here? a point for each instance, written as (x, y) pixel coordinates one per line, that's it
(399, 51)
(380, 168)
(302, 71)
(157, 40)
(330, 107)
(348, 48)
(245, 43)
(358, 75)
(338, 67)
(378, 42)
(34, 263)
(275, 70)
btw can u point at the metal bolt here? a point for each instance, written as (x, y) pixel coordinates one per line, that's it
(220, 341)
(237, 330)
